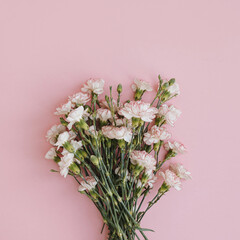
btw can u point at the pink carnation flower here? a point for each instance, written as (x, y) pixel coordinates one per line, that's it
(155, 135)
(144, 159)
(171, 179)
(117, 133)
(175, 146)
(180, 171)
(171, 114)
(138, 109)
(94, 85)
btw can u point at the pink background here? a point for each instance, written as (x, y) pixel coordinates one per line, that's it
(48, 48)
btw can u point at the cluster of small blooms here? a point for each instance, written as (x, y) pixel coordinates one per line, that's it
(111, 147)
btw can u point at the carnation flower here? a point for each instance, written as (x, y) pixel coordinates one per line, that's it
(88, 184)
(64, 137)
(171, 179)
(142, 85)
(174, 89)
(65, 163)
(94, 85)
(76, 144)
(54, 132)
(51, 154)
(64, 109)
(155, 135)
(80, 98)
(175, 146)
(144, 159)
(76, 115)
(104, 114)
(170, 113)
(180, 171)
(138, 109)
(117, 133)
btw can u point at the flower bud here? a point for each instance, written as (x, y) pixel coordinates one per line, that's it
(94, 195)
(144, 178)
(170, 154)
(135, 122)
(94, 160)
(69, 147)
(165, 85)
(119, 88)
(107, 98)
(138, 94)
(163, 188)
(74, 168)
(82, 125)
(81, 154)
(171, 81)
(121, 143)
(156, 146)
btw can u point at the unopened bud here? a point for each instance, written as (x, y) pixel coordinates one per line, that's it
(94, 160)
(163, 188)
(171, 81)
(121, 143)
(82, 125)
(69, 147)
(119, 88)
(74, 168)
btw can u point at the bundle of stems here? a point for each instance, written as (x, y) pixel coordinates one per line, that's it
(112, 151)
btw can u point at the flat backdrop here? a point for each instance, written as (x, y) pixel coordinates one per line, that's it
(48, 48)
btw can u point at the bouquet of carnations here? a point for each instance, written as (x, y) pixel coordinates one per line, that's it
(112, 150)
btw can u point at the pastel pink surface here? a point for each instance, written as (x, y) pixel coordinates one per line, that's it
(49, 48)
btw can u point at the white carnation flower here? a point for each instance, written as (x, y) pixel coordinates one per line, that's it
(54, 132)
(76, 115)
(65, 163)
(76, 144)
(174, 89)
(89, 184)
(144, 159)
(155, 134)
(171, 179)
(138, 109)
(51, 154)
(64, 109)
(94, 85)
(80, 98)
(175, 146)
(104, 114)
(171, 114)
(180, 171)
(117, 133)
(142, 85)
(64, 137)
